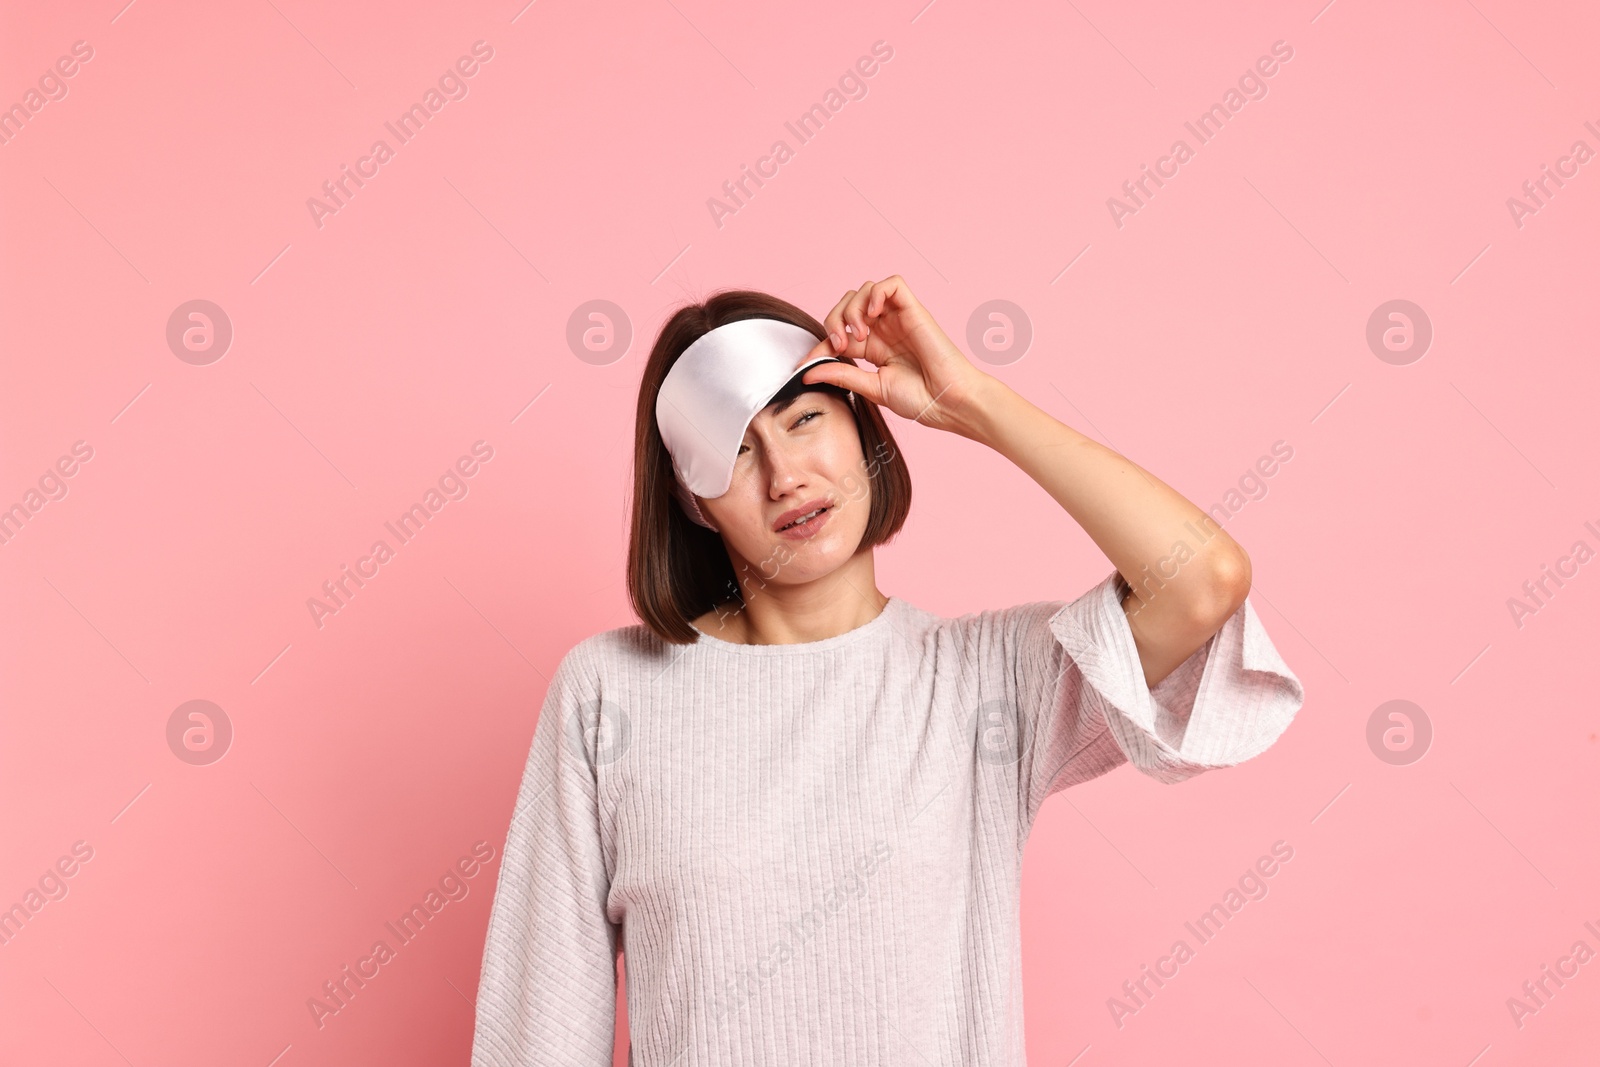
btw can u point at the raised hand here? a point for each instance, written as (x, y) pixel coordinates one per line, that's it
(920, 374)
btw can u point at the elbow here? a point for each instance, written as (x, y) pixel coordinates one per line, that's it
(1227, 586)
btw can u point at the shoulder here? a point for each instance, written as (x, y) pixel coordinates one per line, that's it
(612, 655)
(981, 643)
(1028, 629)
(980, 626)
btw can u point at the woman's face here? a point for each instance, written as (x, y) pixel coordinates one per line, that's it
(798, 455)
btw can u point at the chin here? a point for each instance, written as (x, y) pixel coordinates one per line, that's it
(832, 550)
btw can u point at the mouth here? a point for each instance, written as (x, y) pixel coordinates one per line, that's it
(804, 518)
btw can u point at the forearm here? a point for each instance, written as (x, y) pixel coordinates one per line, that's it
(1183, 568)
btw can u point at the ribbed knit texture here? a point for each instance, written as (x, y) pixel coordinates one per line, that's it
(811, 853)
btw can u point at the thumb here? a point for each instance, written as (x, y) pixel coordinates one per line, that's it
(846, 377)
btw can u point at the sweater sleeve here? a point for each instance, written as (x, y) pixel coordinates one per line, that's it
(547, 993)
(1086, 707)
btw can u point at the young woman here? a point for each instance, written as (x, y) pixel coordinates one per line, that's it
(799, 804)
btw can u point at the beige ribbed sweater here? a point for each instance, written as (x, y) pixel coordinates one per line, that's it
(811, 853)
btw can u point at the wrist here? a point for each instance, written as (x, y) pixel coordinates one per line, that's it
(978, 409)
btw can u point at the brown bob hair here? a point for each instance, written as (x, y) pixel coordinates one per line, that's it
(677, 569)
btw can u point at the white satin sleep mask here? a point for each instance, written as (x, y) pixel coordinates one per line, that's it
(715, 388)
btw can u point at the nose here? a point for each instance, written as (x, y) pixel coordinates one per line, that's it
(785, 474)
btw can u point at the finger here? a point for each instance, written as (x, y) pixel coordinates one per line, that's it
(858, 329)
(850, 314)
(889, 294)
(834, 324)
(883, 299)
(864, 348)
(846, 377)
(855, 312)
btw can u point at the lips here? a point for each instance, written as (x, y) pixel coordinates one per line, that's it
(800, 512)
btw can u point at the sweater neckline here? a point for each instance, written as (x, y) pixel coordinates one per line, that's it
(866, 631)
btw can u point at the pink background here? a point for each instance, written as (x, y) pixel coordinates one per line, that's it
(432, 311)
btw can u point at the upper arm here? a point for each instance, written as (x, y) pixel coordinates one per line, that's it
(548, 988)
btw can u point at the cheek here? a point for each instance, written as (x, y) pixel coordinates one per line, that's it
(837, 455)
(741, 510)
(744, 508)
(856, 488)
(845, 467)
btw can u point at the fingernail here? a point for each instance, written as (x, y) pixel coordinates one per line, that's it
(838, 342)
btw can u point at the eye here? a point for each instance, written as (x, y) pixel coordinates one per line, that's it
(799, 422)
